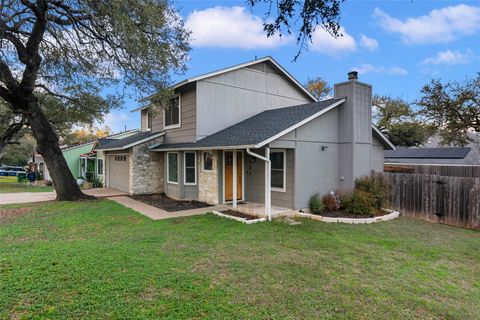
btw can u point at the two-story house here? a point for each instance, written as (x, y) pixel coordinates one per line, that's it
(250, 132)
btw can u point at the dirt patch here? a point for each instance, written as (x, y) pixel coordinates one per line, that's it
(13, 212)
(168, 204)
(343, 214)
(239, 214)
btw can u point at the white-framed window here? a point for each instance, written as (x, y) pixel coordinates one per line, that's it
(120, 158)
(190, 168)
(278, 171)
(100, 167)
(207, 161)
(172, 167)
(148, 119)
(172, 113)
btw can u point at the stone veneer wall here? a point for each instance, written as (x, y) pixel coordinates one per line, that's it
(208, 180)
(146, 169)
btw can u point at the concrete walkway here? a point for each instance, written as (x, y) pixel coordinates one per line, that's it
(155, 213)
(28, 197)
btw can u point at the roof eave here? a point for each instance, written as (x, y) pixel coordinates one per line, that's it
(133, 144)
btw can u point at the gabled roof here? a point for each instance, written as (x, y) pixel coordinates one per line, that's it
(427, 153)
(133, 140)
(383, 138)
(269, 59)
(261, 129)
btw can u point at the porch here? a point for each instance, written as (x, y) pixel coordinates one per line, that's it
(258, 209)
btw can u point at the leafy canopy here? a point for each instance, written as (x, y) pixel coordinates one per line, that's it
(318, 87)
(453, 107)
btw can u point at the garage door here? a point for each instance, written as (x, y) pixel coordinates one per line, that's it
(118, 173)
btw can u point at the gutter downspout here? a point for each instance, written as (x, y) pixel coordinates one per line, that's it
(268, 191)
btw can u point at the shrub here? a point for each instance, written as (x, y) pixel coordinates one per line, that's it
(359, 203)
(330, 202)
(375, 186)
(316, 205)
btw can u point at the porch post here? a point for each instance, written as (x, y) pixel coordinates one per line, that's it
(268, 193)
(234, 178)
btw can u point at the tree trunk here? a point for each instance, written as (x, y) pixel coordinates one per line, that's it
(47, 145)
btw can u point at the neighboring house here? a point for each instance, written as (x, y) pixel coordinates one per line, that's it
(250, 132)
(433, 152)
(83, 160)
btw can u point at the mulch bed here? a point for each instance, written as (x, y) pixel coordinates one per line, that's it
(163, 202)
(238, 214)
(343, 214)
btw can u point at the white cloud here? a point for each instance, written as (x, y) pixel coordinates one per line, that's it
(439, 26)
(116, 121)
(230, 27)
(369, 43)
(325, 43)
(369, 68)
(449, 57)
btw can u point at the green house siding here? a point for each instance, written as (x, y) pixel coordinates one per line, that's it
(72, 155)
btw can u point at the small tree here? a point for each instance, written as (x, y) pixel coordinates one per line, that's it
(454, 107)
(396, 118)
(318, 87)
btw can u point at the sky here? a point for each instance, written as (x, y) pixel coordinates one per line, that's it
(396, 46)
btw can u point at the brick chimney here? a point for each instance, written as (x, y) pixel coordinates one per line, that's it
(355, 129)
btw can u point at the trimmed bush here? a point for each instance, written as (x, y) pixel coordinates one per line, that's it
(316, 205)
(330, 202)
(375, 186)
(359, 203)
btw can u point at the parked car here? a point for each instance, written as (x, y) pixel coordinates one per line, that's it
(11, 171)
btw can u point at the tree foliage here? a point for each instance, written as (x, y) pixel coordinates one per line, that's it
(396, 118)
(319, 88)
(73, 50)
(453, 107)
(282, 16)
(20, 152)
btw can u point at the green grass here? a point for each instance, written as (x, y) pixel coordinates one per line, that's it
(97, 259)
(10, 185)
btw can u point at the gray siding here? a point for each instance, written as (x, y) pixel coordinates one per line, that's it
(377, 155)
(255, 181)
(187, 131)
(228, 98)
(354, 131)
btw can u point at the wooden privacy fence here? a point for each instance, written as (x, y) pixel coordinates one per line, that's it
(442, 170)
(449, 200)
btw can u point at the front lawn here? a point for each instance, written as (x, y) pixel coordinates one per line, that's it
(10, 184)
(98, 259)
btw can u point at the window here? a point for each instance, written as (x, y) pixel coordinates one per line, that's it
(190, 168)
(278, 170)
(148, 115)
(172, 167)
(100, 167)
(207, 161)
(171, 115)
(120, 158)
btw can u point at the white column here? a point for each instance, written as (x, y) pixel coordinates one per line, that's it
(234, 197)
(268, 179)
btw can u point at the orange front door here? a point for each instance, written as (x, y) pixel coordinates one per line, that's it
(229, 175)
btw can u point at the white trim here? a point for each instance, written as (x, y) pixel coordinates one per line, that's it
(243, 176)
(179, 124)
(185, 168)
(299, 124)
(284, 151)
(168, 166)
(161, 133)
(200, 148)
(380, 133)
(236, 67)
(149, 122)
(432, 164)
(103, 167)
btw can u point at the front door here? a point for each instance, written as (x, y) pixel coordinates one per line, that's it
(229, 175)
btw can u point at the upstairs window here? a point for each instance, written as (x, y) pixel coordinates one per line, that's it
(149, 119)
(172, 114)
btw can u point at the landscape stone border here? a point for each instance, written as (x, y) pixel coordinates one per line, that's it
(243, 220)
(390, 216)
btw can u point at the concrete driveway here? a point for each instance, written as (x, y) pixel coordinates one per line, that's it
(28, 197)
